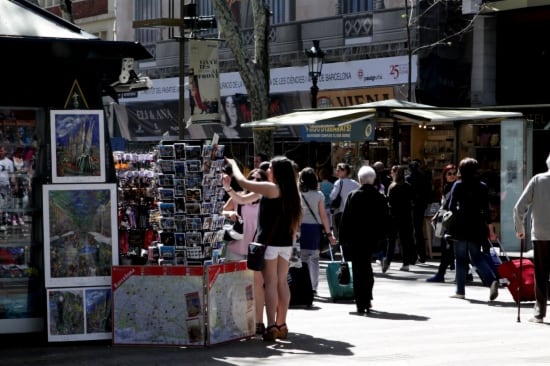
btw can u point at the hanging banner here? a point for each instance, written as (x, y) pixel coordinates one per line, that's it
(204, 82)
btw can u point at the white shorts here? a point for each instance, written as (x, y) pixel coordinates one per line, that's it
(274, 252)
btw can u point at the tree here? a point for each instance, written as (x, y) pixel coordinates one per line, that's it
(254, 70)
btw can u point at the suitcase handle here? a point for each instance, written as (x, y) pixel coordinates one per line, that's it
(341, 253)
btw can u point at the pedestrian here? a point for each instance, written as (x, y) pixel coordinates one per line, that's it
(314, 219)
(364, 223)
(383, 180)
(325, 185)
(472, 227)
(260, 158)
(536, 198)
(279, 218)
(237, 250)
(448, 178)
(422, 190)
(343, 185)
(400, 201)
(7, 178)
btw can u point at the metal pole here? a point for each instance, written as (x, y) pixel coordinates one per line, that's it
(314, 92)
(181, 102)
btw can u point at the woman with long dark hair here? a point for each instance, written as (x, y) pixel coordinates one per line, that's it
(278, 224)
(448, 179)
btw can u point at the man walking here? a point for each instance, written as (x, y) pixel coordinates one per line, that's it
(536, 196)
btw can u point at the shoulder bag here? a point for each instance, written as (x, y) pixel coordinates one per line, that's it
(256, 251)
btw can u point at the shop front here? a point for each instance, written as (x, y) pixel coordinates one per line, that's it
(48, 64)
(400, 131)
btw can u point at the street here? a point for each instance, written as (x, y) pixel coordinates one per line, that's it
(412, 323)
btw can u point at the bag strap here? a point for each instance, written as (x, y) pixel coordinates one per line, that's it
(310, 210)
(341, 185)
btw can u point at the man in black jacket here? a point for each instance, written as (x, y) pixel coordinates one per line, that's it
(364, 223)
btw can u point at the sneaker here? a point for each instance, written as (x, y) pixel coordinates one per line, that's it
(535, 319)
(385, 265)
(436, 278)
(21, 221)
(404, 268)
(493, 292)
(457, 296)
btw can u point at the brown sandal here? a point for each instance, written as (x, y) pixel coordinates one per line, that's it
(283, 331)
(271, 333)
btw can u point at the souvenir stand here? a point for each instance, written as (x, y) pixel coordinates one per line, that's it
(79, 215)
(175, 288)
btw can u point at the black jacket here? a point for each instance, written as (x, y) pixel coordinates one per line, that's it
(469, 201)
(364, 220)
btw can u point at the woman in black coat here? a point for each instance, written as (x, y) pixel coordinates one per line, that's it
(364, 223)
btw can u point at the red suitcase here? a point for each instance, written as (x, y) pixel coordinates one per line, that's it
(525, 284)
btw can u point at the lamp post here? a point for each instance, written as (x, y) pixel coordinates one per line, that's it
(315, 64)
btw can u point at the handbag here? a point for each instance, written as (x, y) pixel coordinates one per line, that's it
(335, 204)
(439, 229)
(255, 258)
(448, 220)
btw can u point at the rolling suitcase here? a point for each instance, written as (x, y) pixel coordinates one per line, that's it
(337, 290)
(524, 283)
(299, 282)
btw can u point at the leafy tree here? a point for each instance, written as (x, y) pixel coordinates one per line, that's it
(254, 69)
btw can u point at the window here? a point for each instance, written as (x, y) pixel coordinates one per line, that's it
(147, 9)
(353, 6)
(279, 8)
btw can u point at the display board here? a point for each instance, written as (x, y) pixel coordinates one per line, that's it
(167, 305)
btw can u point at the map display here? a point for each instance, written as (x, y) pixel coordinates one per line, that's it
(166, 305)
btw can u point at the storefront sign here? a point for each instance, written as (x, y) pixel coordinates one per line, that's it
(349, 97)
(331, 132)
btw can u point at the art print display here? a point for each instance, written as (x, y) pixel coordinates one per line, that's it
(77, 314)
(79, 230)
(77, 146)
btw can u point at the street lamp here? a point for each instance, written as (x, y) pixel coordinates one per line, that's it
(315, 63)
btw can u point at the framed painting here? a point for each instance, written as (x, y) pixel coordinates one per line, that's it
(80, 234)
(79, 314)
(77, 146)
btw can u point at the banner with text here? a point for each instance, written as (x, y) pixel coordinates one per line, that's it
(204, 81)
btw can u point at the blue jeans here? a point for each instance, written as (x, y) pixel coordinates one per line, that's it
(463, 249)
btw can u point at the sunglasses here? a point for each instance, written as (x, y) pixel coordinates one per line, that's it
(451, 173)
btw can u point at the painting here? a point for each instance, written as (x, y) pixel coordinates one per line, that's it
(78, 314)
(80, 234)
(77, 146)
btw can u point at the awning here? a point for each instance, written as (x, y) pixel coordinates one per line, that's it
(305, 117)
(390, 110)
(438, 116)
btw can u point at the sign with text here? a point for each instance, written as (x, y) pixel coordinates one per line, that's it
(204, 82)
(327, 131)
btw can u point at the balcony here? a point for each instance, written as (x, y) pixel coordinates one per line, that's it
(376, 34)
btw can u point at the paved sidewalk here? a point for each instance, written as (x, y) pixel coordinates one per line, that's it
(412, 323)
